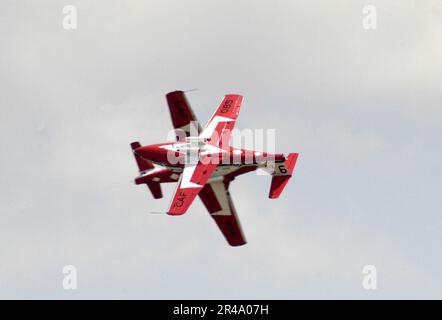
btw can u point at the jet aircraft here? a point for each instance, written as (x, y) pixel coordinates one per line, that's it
(203, 163)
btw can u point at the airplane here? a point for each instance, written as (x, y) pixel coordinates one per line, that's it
(204, 164)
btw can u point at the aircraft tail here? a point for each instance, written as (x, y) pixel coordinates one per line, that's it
(282, 174)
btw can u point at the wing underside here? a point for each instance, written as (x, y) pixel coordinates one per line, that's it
(220, 125)
(218, 202)
(192, 181)
(182, 115)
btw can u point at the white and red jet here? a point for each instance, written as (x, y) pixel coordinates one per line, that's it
(204, 164)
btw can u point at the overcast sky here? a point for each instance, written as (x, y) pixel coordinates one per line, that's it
(362, 107)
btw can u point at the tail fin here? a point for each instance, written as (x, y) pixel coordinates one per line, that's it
(283, 173)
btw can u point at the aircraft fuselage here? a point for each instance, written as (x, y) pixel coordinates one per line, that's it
(174, 155)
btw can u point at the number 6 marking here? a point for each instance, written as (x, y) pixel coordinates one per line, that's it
(282, 169)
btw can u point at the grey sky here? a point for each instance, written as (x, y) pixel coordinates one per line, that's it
(363, 109)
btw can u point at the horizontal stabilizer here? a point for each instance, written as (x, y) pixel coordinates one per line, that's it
(282, 175)
(155, 188)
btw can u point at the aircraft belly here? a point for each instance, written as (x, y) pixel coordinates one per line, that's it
(222, 170)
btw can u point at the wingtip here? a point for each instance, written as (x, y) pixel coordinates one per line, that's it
(172, 213)
(234, 95)
(239, 244)
(171, 93)
(135, 145)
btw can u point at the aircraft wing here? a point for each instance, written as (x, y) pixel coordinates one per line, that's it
(192, 181)
(216, 198)
(195, 176)
(220, 125)
(181, 114)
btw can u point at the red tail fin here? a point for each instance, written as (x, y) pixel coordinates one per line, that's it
(283, 173)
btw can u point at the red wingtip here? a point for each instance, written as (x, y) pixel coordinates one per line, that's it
(135, 145)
